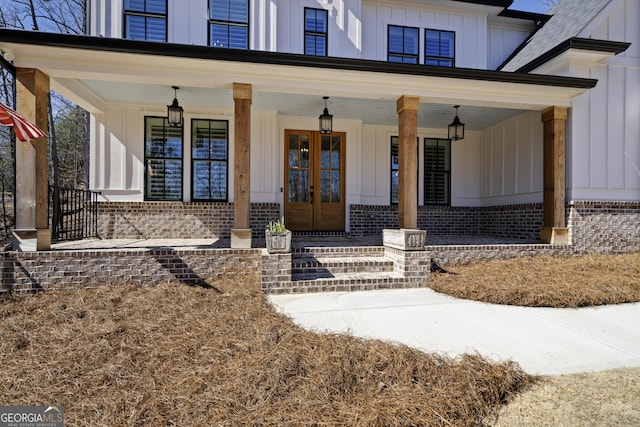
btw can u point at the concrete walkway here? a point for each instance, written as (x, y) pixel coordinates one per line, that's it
(542, 340)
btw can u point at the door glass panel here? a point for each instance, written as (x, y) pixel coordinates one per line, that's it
(330, 169)
(298, 168)
(335, 185)
(325, 186)
(335, 153)
(294, 145)
(304, 151)
(325, 159)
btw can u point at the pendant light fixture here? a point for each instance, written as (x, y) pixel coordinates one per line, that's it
(456, 128)
(326, 119)
(175, 111)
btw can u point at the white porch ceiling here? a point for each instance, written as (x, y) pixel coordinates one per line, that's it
(376, 111)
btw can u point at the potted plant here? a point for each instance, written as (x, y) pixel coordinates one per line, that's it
(277, 237)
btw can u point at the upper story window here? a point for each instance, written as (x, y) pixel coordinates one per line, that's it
(162, 160)
(229, 23)
(403, 44)
(145, 20)
(439, 48)
(315, 32)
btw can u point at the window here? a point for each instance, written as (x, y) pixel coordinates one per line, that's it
(315, 32)
(229, 23)
(395, 170)
(437, 171)
(439, 48)
(403, 44)
(162, 159)
(145, 20)
(209, 157)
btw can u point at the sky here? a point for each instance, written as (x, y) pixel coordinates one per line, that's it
(530, 6)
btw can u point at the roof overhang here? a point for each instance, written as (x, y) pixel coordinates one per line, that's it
(575, 49)
(72, 60)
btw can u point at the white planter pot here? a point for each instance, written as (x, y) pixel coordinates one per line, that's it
(278, 241)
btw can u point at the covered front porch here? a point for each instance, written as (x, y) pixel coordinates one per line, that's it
(512, 153)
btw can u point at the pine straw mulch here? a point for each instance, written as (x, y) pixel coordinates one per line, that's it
(604, 399)
(180, 355)
(545, 281)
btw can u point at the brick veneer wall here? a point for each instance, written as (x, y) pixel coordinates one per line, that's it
(369, 220)
(447, 255)
(511, 221)
(448, 219)
(177, 220)
(606, 227)
(31, 271)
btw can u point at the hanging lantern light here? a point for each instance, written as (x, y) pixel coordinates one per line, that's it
(326, 119)
(175, 111)
(456, 128)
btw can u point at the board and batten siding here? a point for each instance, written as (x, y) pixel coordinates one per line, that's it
(117, 152)
(375, 158)
(603, 143)
(470, 29)
(503, 40)
(511, 159)
(356, 29)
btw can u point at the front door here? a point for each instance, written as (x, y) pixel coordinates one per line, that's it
(314, 180)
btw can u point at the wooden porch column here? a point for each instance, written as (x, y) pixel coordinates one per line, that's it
(407, 107)
(241, 232)
(554, 229)
(32, 186)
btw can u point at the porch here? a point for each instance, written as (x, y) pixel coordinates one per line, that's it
(318, 262)
(512, 151)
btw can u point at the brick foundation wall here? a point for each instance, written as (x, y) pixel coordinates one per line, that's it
(511, 221)
(32, 271)
(601, 226)
(605, 227)
(369, 220)
(447, 255)
(177, 220)
(441, 220)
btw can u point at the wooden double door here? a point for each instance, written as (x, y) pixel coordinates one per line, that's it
(314, 180)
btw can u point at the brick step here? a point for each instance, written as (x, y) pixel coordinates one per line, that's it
(338, 252)
(344, 282)
(304, 267)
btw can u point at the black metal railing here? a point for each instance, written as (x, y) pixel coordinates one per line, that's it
(73, 214)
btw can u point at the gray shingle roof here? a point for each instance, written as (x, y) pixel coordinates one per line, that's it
(569, 18)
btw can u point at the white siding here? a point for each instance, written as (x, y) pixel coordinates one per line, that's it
(470, 29)
(465, 170)
(187, 22)
(503, 41)
(511, 161)
(375, 154)
(376, 164)
(604, 129)
(343, 26)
